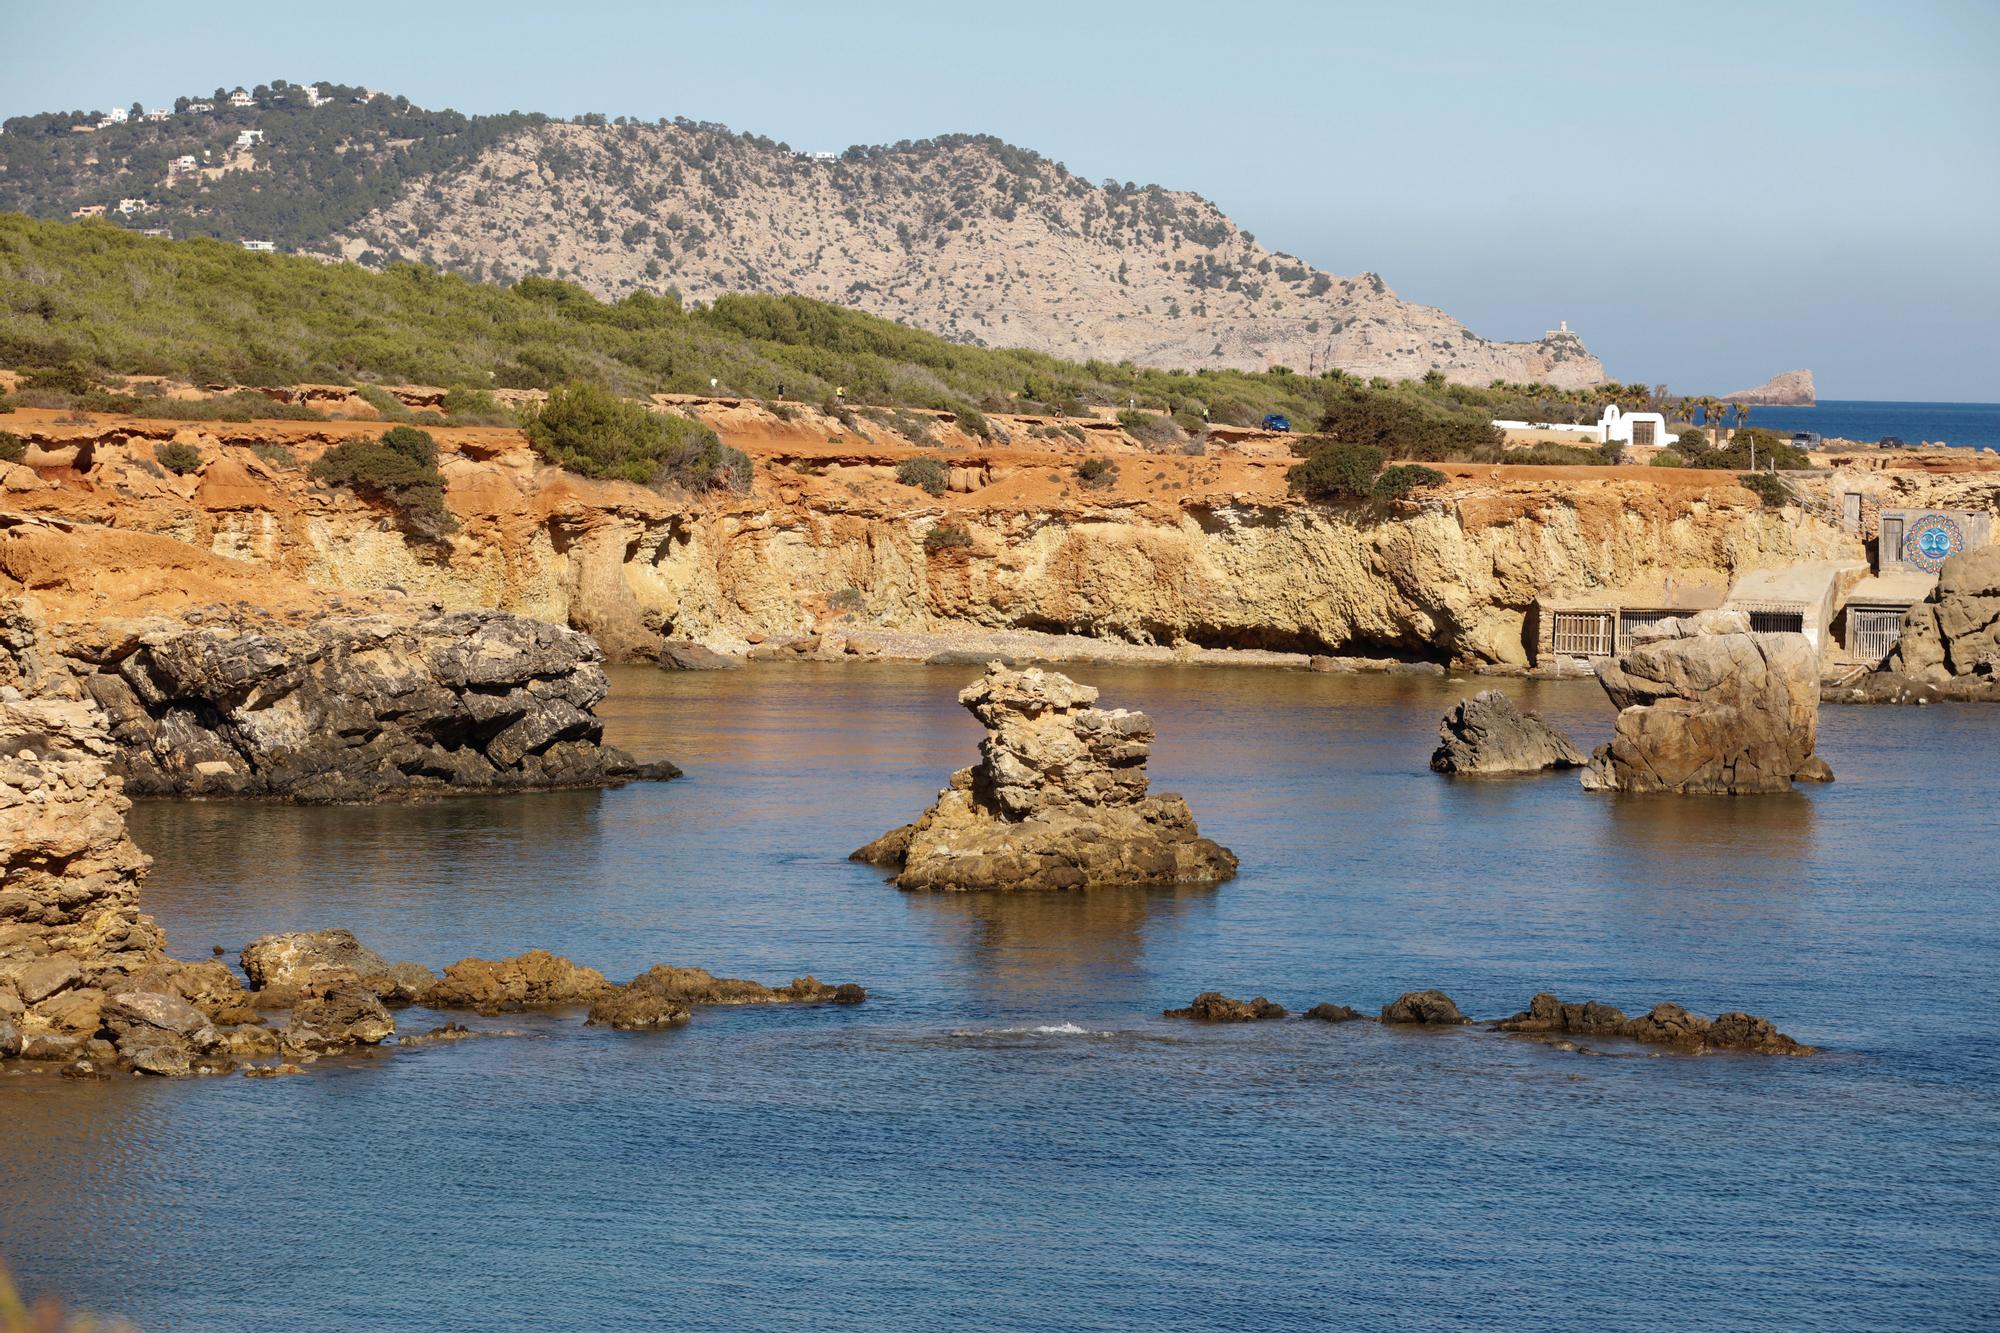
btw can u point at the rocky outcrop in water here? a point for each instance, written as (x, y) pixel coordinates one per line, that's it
(664, 996)
(1706, 706)
(345, 708)
(1215, 1007)
(1663, 1025)
(1058, 800)
(1426, 1008)
(1787, 388)
(1335, 1013)
(1489, 735)
(282, 968)
(1951, 640)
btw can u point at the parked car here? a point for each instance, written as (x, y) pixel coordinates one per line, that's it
(1276, 421)
(1890, 442)
(1805, 439)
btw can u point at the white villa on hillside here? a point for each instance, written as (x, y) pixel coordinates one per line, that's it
(1616, 426)
(249, 138)
(239, 98)
(262, 247)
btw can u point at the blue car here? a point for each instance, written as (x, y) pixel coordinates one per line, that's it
(1276, 422)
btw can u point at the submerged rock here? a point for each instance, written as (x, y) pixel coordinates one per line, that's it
(664, 996)
(687, 655)
(1427, 1007)
(1706, 706)
(1488, 734)
(1058, 801)
(1662, 1025)
(1215, 1007)
(1335, 1013)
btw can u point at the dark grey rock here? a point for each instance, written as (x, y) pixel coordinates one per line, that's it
(1489, 735)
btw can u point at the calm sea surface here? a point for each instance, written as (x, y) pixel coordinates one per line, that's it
(1964, 425)
(1008, 1134)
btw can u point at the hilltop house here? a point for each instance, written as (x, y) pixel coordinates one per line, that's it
(199, 108)
(88, 211)
(115, 116)
(241, 99)
(1616, 426)
(128, 207)
(262, 247)
(249, 138)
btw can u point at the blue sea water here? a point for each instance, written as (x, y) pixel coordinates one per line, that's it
(1961, 425)
(1008, 1134)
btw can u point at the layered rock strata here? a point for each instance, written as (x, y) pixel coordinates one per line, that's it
(1488, 735)
(232, 702)
(1706, 706)
(1058, 800)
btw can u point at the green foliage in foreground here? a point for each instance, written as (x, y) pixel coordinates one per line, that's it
(1399, 481)
(179, 459)
(1337, 471)
(592, 431)
(947, 537)
(1768, 447)
(1097, 473)
(400, 469)
(1767, 488)
(12, 447)
(924, 473)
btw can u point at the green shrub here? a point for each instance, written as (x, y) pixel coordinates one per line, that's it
(1150, 427)
(1547, 453)
(386, 405)
(6, 404)
(179, 459)
(12, 447)
(1613, 451)
(973, 422)
(1770, 490)
(1399, 481)
(70, 378)
(277, 455)
(399, 469)
(591, 431)
(924, 473)
(1337, 471)
(474, 407)
(1404, 425)
(1668, 458)
(946, 537)
(1097, 473)
(1768, 447)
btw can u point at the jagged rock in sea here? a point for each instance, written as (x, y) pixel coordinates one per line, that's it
(1707, 706)
(1058, 800)
(1489, 735)
(84, 974)
(334, 1018)
(1215, 1007)
(664, 996)
(1790, 388)
(283, 967)
(1335, 1013)
(348, 707)
(1951, 640)
(536, 979)
(1431, 1008)
(1663, 1025)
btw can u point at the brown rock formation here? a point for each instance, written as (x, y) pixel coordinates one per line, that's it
(1215, 1007)
(1429, 1008)
(1706, 706)
(1952, 639)
(283, 968)
(1058, 801)
(1790, 388)
(663, 996)
(1489, 735)
(536, 979)
(1663, 1025)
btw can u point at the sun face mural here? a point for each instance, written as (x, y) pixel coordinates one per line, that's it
(1932, 540)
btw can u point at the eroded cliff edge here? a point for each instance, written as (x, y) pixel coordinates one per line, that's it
(1201, 549)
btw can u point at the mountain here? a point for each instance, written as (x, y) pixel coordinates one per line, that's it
(966, 236)
(1791, 388)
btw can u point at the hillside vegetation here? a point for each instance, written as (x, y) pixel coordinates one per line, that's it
(964, 235)
(83, 301)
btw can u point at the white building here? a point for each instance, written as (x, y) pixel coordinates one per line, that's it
(130, 206)
(249, 138)
(115, 116)
(1616, 426)
(239, 98)
(160, 113)
(262, 247)
(199, 108)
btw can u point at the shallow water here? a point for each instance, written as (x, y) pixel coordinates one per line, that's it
(1008, 1133)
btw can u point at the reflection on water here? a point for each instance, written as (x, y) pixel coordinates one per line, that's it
(1008, 1124)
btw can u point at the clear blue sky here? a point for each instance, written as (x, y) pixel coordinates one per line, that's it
(1709, 193)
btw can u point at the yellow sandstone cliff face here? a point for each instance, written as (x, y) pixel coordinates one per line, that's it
(1208, 550)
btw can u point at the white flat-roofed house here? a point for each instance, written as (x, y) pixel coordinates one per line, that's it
(261, 247)
(128, 207)
(1616, 426)
(239, 99)
(115, 116)
(249, 138)
(200, 108)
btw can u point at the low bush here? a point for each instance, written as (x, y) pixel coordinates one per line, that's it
(1097, 473)
(1770, 490)
(71, 378)
(924, 473)
(475, 407)
(6, 404)
(1337, 471)
(1403, 425)
(179, 459)
(973, 422)
(1752, 446)
(399, 469)
(12, 447)
(277, 455)
(946, 537)
(591, 431)
(1399, 481)
(1613, 451)
(1547, 453)
(1150, 427)
(1668, 458)
(386, 405)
